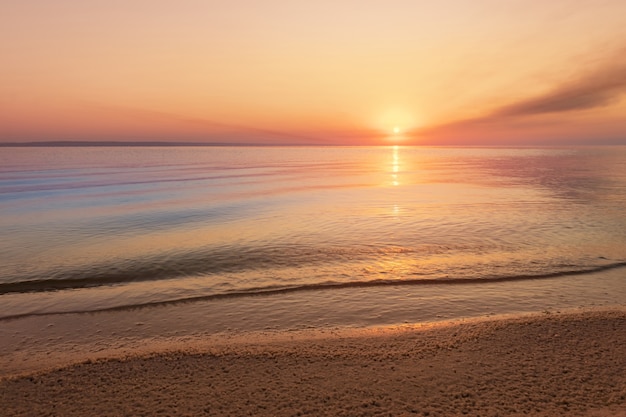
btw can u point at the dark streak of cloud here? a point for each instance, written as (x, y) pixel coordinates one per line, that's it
(599, 88)
(595, 88)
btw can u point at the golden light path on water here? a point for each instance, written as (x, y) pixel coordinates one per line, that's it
(395, 166)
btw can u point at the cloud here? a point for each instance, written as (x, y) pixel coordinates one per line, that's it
(599, 88)
(594, 88)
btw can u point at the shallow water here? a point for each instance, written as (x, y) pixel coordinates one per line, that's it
(95, 228)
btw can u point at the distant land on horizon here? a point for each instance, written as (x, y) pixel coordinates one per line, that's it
(70, 143)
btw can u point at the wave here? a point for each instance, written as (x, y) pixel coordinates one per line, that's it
(332, 285)
(201, 262)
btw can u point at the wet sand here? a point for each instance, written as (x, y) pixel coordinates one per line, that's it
(546, 364)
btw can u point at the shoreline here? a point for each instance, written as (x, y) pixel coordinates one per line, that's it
(39, 342)
(570, 363)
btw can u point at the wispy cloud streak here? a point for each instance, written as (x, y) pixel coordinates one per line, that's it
(600, 88)
(594, 88)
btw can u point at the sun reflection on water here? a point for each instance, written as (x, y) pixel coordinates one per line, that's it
(395, 166)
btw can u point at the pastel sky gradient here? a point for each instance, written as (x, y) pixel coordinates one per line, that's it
(464, 72)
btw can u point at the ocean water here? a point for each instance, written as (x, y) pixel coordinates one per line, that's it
(87, 229)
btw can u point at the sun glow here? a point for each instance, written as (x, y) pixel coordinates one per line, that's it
(396, 122)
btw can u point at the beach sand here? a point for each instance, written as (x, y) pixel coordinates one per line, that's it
(545, 364)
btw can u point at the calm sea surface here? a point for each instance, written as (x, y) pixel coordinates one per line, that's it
(96, 228)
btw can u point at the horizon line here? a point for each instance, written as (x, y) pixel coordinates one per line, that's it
(70, 143)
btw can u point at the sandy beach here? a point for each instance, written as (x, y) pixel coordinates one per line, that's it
(544, 364)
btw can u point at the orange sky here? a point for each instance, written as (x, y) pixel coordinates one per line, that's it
(467, 72)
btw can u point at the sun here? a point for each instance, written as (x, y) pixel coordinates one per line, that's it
(396, 130)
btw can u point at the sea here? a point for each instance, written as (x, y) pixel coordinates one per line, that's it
(351, 235)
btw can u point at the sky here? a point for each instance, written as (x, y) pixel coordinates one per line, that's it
(348, 72)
